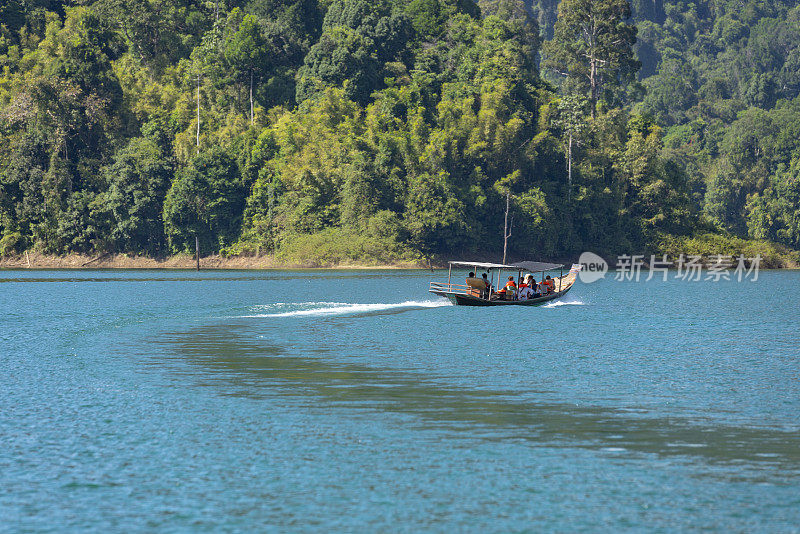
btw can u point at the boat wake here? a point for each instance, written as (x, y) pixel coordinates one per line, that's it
(558, 303)
(326, 309)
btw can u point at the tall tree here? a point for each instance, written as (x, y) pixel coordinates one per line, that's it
(247, 50)
(206, 201)
(361, 40)
(592, 47)
(571, 120)
(203, 62)
(138, 179)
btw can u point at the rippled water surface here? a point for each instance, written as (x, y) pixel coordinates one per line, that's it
(308, 400)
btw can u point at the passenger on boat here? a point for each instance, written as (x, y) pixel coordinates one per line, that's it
(542, 288)
(475, 286)
(510, 289)
(525, 292)
(522, 284)
(535, 288)
(551, 286)
(486, 280)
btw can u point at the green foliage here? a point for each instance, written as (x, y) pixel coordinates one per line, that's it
(247, 49)
(343, 246)
(12, 13)
(138, 180)
(709, 245)
(592, 47)
(206, 201)
(359, 39)
(434, 214)
(349, 131)
(158, 32)
(775, 213)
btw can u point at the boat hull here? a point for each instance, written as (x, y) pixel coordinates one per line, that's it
(460, 299)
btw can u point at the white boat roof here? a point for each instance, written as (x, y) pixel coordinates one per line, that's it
(533, 266)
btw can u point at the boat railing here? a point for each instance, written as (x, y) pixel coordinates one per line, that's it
(459, 289)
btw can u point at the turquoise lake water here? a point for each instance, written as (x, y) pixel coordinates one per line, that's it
(343, 400)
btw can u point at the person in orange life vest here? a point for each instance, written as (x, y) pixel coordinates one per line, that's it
(510, 288)
(525, 291)
(522, 283)
(551, 285)
(544, 288)
(526, 281)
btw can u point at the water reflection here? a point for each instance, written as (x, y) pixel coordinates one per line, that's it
(244, 366)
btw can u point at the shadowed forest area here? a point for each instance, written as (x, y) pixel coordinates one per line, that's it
(377, 131)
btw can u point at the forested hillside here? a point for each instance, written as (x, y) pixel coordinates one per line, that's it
(323, 131)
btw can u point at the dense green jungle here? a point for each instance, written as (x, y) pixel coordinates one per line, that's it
(378, 131)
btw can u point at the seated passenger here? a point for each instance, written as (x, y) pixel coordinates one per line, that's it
(522, 284)
(551, 286)
(543, 289)
(488, 289)
(475, 286)
(524, 292)
(536, 290)
(510, 289)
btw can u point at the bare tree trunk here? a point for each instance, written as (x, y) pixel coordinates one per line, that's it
(251, 97)
(593, 66)
(506, 232)
(198, 114)
(271, 202)
(569, 168)
(593, 83)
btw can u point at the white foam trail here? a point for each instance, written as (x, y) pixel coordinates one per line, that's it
(562, 303)
(340, 308)
(295, 304)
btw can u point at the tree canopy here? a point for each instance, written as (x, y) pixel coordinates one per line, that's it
(348, 130)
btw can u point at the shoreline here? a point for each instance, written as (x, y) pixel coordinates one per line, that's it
(178, 261)
(76, 261)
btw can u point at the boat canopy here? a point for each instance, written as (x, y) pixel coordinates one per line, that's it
(533, 266)
(482, 264)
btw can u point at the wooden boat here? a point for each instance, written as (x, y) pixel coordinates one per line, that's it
(472, 293)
